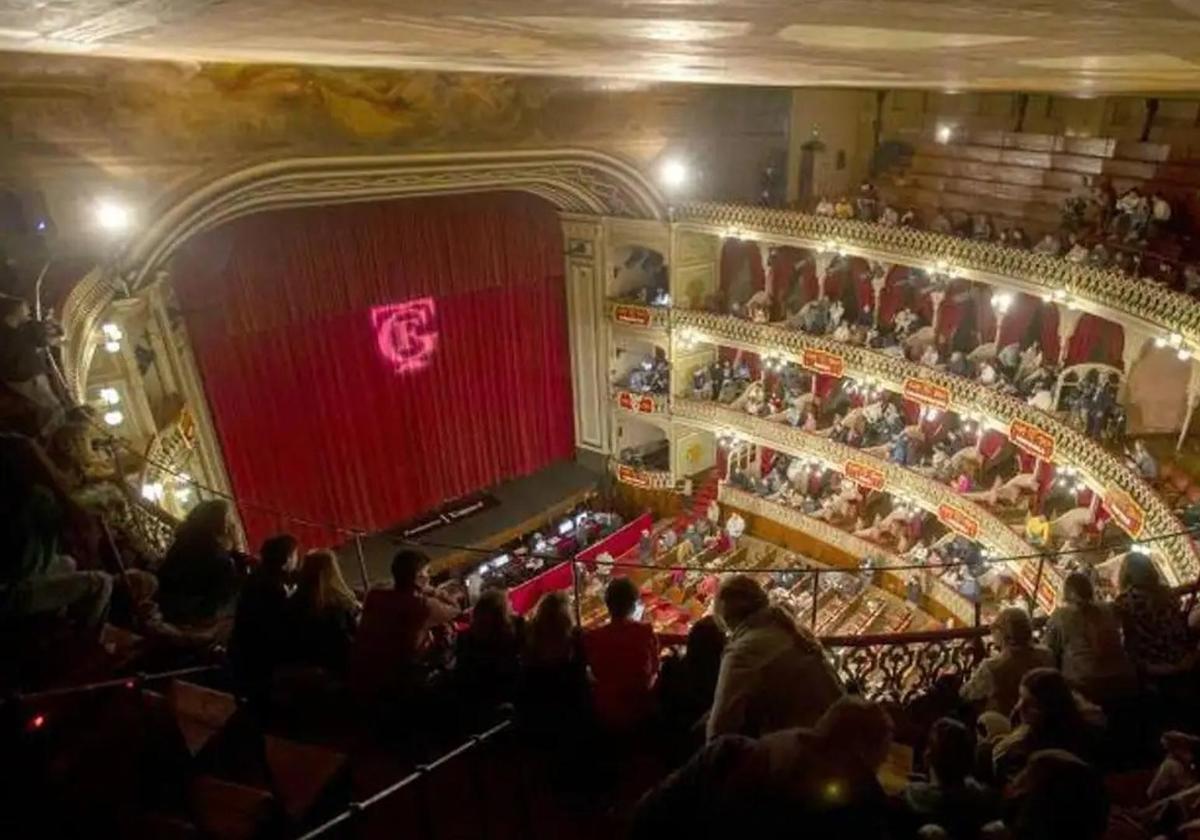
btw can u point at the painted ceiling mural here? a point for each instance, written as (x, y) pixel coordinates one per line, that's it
(1104, 46)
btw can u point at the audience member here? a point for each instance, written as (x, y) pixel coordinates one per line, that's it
(22, 366)
(36, 577)
(773, 675)
(1057, 795)
(391, 655)
(323, 614)
(1154, 627)
(951, 799)
(488, 658)
(1085, 638)
(260, 627)
(1051, 717)
(996, 681)
(200, 576)
(623, 659)
(687, 684)
(819, 781)
(553, 700)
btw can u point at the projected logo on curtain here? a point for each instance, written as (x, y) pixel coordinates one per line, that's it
(406, 333)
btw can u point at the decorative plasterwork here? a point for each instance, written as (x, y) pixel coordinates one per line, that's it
(898, 481)
(1100, 469)
(574, 180)
(1141, 306)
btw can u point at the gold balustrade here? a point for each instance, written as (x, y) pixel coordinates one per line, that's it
(1060, 443)
(1104, 292)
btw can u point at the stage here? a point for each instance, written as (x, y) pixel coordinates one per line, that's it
(517, 507)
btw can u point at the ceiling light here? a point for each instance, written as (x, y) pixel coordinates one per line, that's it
(113, 418)
(673, 173)
(113, 216)
(110, 396)
(944, 133)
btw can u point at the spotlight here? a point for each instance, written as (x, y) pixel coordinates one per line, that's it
(944, 133)
(673, 173)
(114, 418)
(112, 216)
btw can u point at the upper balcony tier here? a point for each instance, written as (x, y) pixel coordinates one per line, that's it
(1152, 310)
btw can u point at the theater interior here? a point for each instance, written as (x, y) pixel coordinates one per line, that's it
(599, 419)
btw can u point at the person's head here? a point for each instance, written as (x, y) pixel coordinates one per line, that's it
(320, 583)
(491, 617)
(210, 520)
(621, 597)
(852, 726)
(551, 628)
(950, 752)
(705, 641)
(1012, 628)
(279, 554)
(739, 597)
(1138, 572)
(1058, 795)
(1046, 702)
(14, 311)
(1078, 589)
(410, 570)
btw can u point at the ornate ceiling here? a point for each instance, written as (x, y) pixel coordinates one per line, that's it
(1073, 46)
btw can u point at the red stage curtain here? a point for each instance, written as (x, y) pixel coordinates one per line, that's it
(1096, 340)
(365, 363)
(793, 279)
(1029, 320)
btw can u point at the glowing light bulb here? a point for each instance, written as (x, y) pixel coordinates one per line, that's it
(114, 418)
(673, 173)
(112, 216)
(110, 396)
(944, 133)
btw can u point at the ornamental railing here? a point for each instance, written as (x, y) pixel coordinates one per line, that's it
(1139, 509)
(897, 668)
(958, 513)
(1105, 292)
(937, 589)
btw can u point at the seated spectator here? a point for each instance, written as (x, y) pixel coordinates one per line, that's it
(553, 699)
(1179, 769)
(687, 684)
(843, 209)
(36, 577)
(819, 781)
(488, 659)
(997, 679)
(22, 366)
(200, 576)
(1056, 796)
(623, 659)
(1051, 717)
(1154, 627)
(825, 207)
(773, 674)
(951, 799)
(392, 651)
(1085, 638)
(323, 614)
(1145, 463)
(260, 627)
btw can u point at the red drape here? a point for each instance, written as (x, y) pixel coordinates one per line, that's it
(365, 363)
(1096, 340)
(902, 290)
(1031, 319)
(793, 279)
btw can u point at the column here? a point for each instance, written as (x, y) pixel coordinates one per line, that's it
(1193, 397)
(588, 326)
(937, 297)
(1068, 320)
(877, 284)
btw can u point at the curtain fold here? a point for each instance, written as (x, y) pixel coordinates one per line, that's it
(1096, 340)
(365, 363)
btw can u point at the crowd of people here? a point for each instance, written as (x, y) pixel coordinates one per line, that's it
(1142, 236)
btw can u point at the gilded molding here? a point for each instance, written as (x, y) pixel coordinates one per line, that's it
(574, 180)
(1099, 468)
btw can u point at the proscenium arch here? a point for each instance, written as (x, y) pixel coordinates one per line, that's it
(573, 180)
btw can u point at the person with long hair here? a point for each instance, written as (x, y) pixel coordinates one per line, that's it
(997, 679)
(1154, 627)
(687, 683)
(201, 574)
(1051, 716)
(774, 674)
(488, 656)
(1085, 638)
(323, 614)
(552, 696)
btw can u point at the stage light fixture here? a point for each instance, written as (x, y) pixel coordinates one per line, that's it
(673, 173)
(112, 216)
